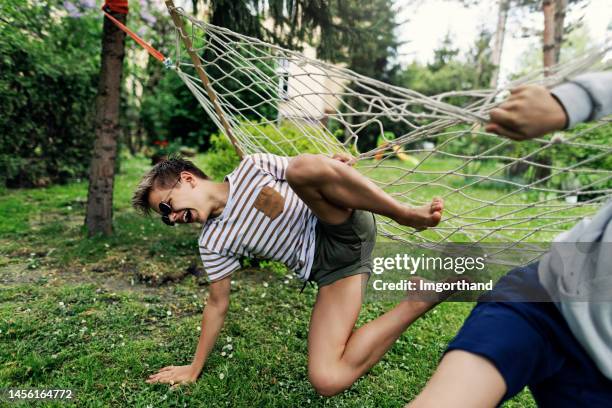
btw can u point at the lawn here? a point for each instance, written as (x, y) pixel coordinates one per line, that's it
(99, 315)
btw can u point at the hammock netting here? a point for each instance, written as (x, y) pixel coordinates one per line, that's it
(269, 99)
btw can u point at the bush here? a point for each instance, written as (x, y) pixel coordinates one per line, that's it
(592, 141)
(565, 156)
(171, 112)
(222, 158)
(289, 142)
(48, 82)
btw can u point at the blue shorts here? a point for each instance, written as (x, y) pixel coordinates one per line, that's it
(531, 345)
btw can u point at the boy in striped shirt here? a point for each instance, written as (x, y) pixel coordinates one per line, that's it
(311, 212)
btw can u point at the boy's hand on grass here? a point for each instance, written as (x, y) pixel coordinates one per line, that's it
(174, 375)
(344, 158)
(530, 111)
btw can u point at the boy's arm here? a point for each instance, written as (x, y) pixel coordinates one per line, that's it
(212, 322)
(585, 98)
(532, 111)
(276, 166)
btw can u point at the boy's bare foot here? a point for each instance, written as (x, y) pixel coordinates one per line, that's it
(423, 217)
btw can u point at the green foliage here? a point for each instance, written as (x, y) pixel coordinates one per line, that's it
(587, 134)
(336, 28)
(111, 334)
(360, 34)
(223, 158)
(450, 72)
(170, 112)
(566, 156)
(589, 142)
(242, 89)
(369, 47)
(287, 140)
(368, 40)
(593, 141)
(446, 73)
(290, 141)
(443, 55)
(277, 268)
(48, 80)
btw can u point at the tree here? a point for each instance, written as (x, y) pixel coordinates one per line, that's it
(482, 59)
(552, 38)
(553, 33)
(451, 72)
(47, 90)
(293, 21)
(498, 44)
(554, 27)
(444, 54)
(99, 215)
(498, 38)
(329, 25)
(548, 36)
(366, 32)
(358, 34)
(559, 21)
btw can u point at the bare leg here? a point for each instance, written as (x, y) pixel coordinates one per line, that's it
(337, 355)
(462, 379)
(331, 189)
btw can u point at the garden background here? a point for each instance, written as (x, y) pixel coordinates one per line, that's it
(99, 306)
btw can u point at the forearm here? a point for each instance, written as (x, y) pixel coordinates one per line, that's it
(586, 97)
(212, 322)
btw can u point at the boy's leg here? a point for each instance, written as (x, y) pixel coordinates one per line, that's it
(331, 189)
(504, 346)
(337, 355)
(462, 379)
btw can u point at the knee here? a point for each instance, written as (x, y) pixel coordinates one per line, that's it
(325, 383)
(307, 169)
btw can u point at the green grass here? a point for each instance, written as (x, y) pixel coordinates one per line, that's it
(104, 344)
(80, 313)
(467, 198)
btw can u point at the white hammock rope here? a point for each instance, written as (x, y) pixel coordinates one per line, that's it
(483, 203)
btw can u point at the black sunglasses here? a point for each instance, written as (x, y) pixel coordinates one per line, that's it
(165, 209)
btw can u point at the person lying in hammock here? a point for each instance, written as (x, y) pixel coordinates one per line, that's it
(311, 212)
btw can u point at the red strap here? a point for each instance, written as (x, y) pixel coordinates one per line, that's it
(118, 6)
(154, 53)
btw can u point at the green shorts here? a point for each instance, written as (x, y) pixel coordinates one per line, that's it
(344, 249)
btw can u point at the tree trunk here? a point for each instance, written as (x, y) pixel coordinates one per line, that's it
(548, 40)
(548, 51)
(560, 11)
(498, 45)
(102, 172)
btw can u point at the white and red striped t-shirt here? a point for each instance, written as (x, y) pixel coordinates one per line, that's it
(245, 228)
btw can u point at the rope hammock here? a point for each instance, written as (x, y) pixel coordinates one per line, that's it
(268, 99)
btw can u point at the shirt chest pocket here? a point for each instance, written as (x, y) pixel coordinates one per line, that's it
(270, 202)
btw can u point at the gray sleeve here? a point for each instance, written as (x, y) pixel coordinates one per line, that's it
(586, 97)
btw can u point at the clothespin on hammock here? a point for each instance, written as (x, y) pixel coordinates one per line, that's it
(121, 7)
